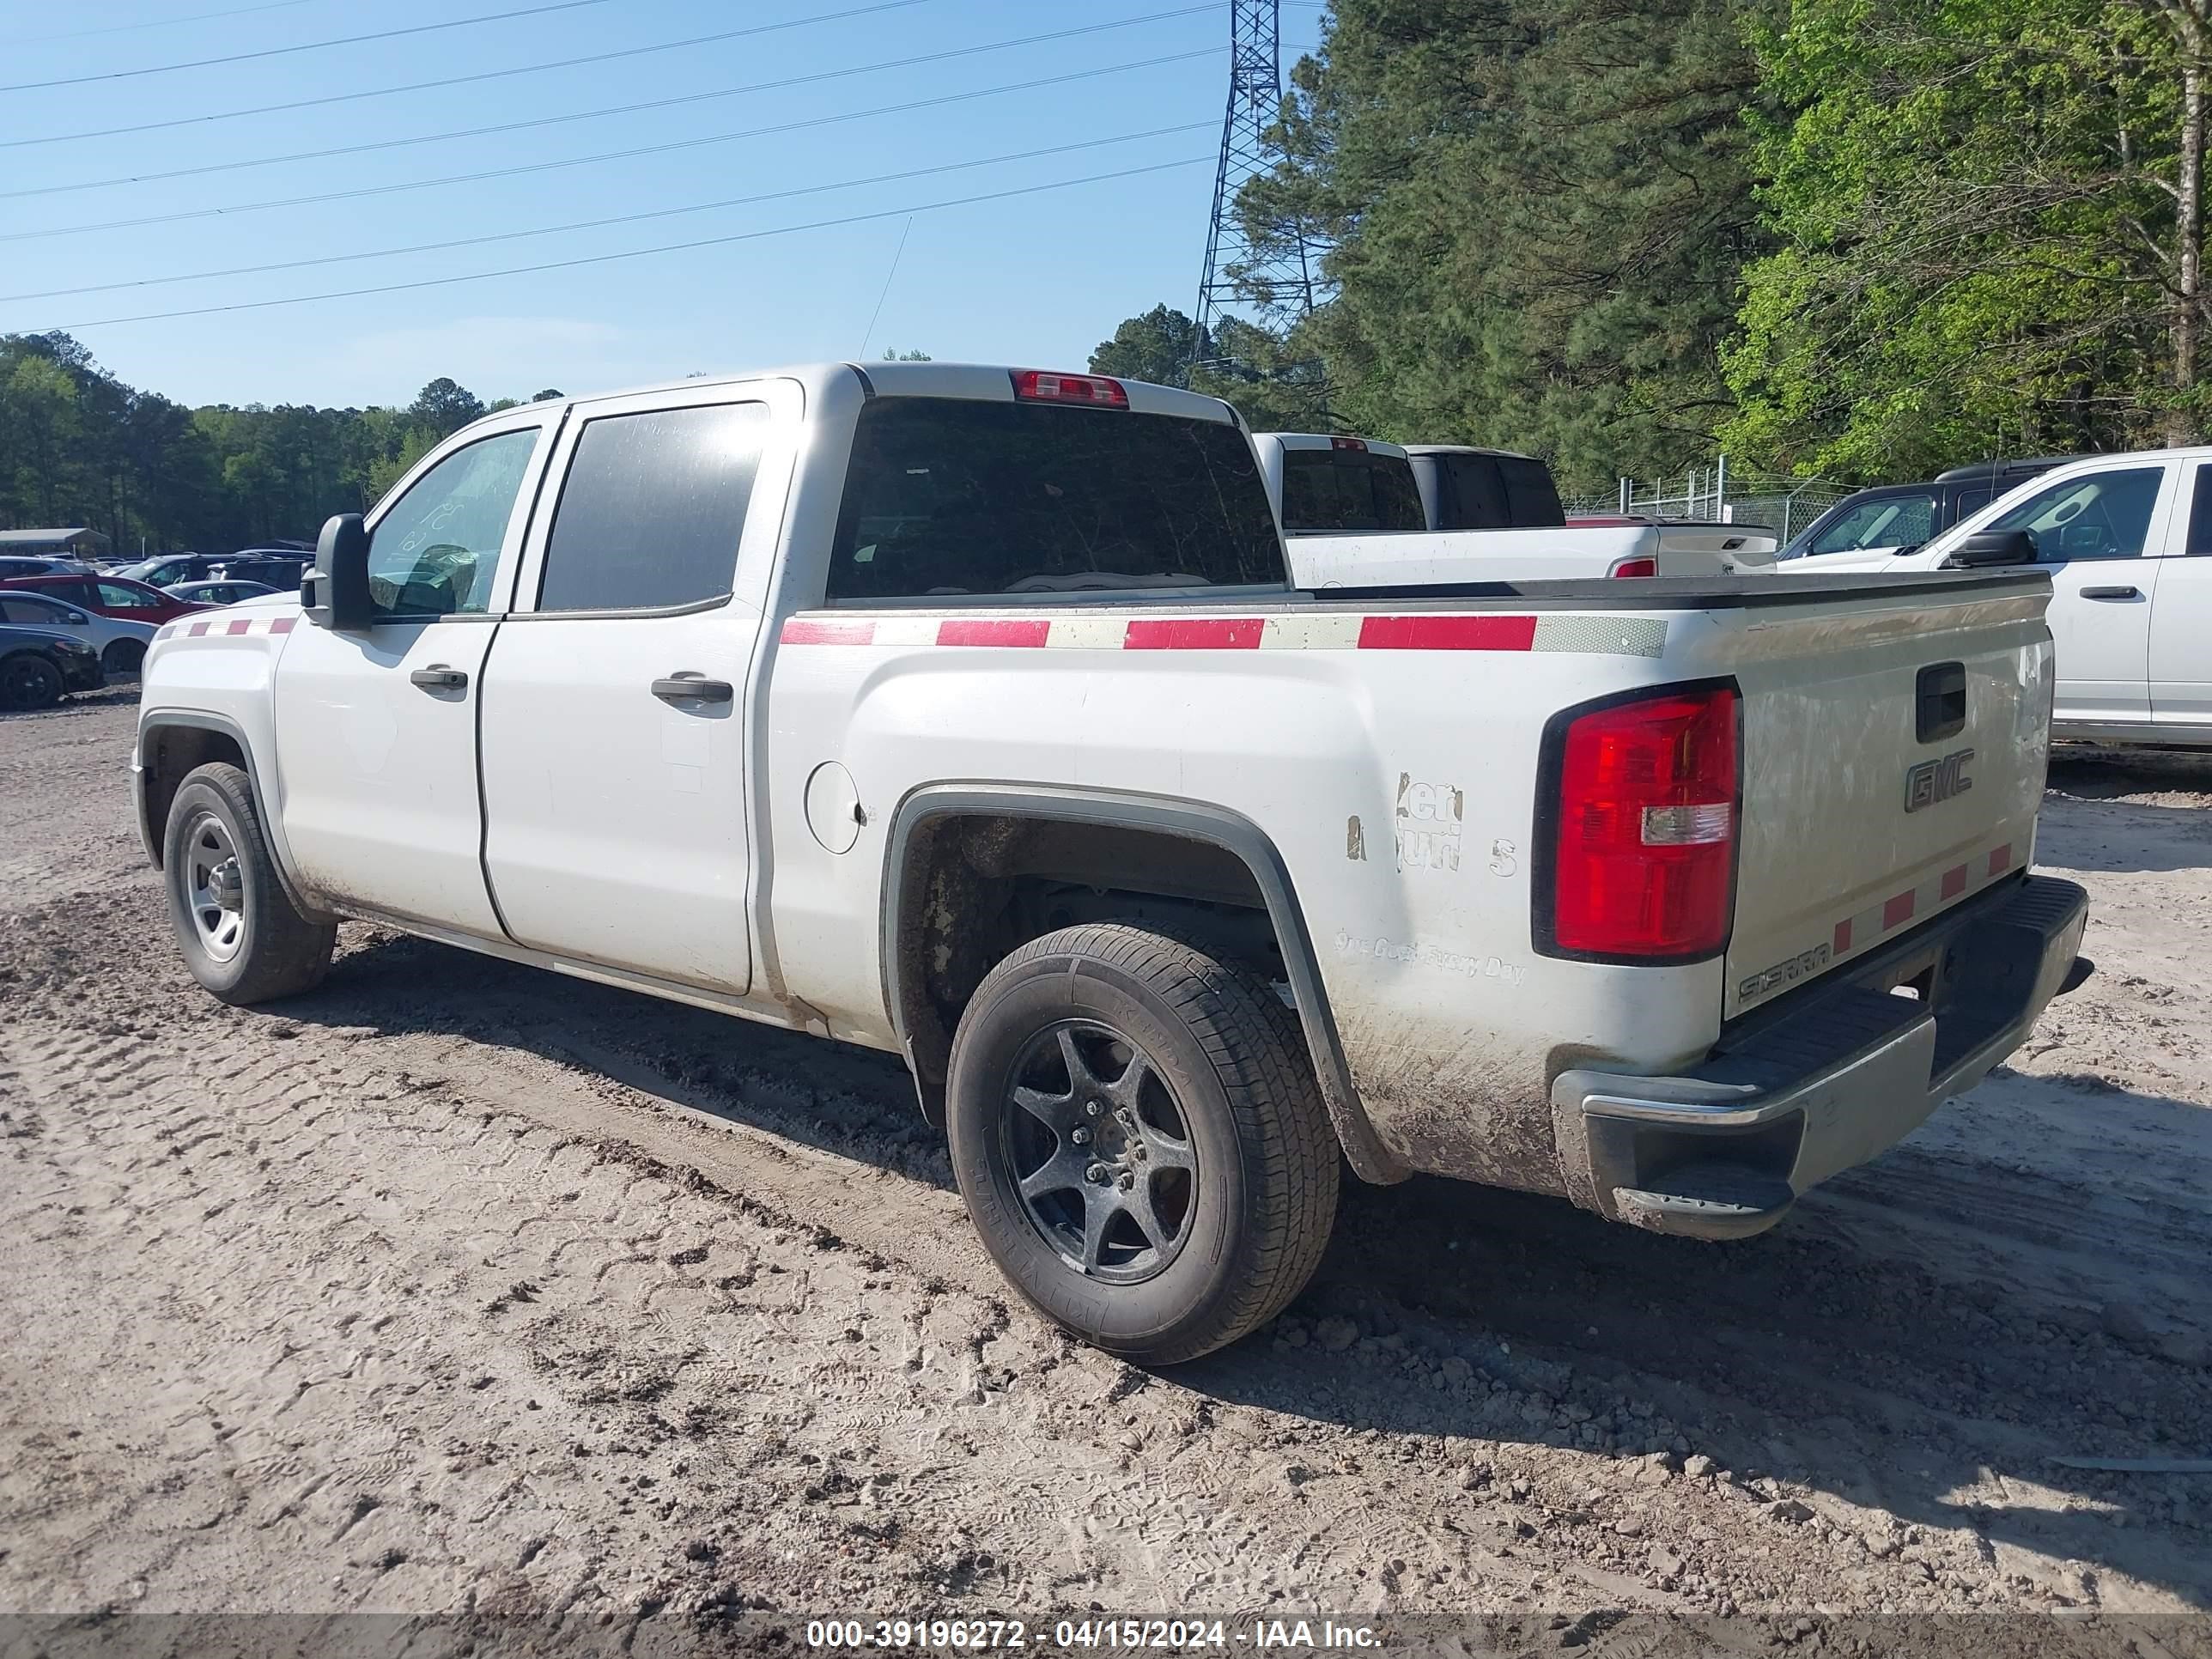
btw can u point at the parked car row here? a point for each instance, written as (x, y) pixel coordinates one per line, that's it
(60, 615)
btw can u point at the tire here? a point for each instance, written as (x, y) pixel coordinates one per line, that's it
(122, 659)
(262, 948)
(27, 680)
(1162, 1034)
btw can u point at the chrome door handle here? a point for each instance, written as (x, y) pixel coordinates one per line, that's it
(2111, 594)
(439, 678)
(688, 687)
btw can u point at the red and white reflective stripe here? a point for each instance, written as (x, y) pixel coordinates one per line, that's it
(1638, 636)
(1903, 908)
(223, 627)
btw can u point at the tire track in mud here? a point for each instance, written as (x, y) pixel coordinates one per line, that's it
(453, 1274)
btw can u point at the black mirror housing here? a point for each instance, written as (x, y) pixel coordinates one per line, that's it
(1994, 547)
(334, 594)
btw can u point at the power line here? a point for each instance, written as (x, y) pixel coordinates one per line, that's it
(869, 332)
(458, 80)
(607, 155)
(640, 253)
(309, 46)
(910, 62)
(153, 23)
(354, 258)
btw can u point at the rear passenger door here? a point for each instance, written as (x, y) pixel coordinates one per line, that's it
(615, 717)
(2181, 619)
(2092, 531)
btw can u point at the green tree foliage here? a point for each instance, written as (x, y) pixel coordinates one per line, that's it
(1991, 241)
(1157, 347)
(1259, 372)
(78, 447)
(444, 407)
(1532, 215)
(907, 357)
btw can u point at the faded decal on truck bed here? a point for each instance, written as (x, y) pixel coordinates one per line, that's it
(1614, 636)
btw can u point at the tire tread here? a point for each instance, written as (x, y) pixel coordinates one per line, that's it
(1258, 1051)
(287, 954)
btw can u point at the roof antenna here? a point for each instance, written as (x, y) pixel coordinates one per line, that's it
(886, 294)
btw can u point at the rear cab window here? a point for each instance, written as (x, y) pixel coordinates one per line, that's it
(1341, 490)
(954, 499)
(1496, 492)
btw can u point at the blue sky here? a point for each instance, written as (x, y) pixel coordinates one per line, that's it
(1036, 278)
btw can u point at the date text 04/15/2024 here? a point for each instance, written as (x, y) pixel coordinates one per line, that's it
(1158, 1635)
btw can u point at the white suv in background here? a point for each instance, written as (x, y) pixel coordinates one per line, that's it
(2128, 542)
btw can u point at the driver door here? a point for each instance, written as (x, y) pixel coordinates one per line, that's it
(376, 743)
(2091, 530)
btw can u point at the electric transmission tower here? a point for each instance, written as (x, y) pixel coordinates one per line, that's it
(1278, 269)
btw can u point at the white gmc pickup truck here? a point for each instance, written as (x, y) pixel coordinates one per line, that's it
(968, 714)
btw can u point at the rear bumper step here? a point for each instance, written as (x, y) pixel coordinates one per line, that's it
(1834, 1075)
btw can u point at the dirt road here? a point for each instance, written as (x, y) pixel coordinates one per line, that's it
(457, 1286)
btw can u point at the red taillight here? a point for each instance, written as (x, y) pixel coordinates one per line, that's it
(1644, 864)
(1636, 568)
(1042, 385)
(1359, 444)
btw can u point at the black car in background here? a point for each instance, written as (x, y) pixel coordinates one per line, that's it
(1902, 516)
(39, 666)
(280, 568)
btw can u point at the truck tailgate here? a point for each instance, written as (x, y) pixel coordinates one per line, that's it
(1895, 747)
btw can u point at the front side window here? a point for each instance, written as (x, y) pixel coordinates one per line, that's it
(958, 498)
(1887, 521)
(1349, 490)
(117, 596)
(437, 553)
(2104, 515)
(653, 508)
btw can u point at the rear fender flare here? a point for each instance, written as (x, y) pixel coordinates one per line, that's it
(1191, 820)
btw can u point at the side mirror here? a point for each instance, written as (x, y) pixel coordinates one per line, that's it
(335, 594)
(1994, 547)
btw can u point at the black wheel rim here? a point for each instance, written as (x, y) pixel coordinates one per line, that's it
(29, 683)
(1100, 1152)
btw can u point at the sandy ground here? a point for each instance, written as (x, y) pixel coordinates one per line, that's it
(456, 1287)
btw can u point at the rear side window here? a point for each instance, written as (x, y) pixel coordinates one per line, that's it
(956, 497)
(653, 508)
(1349, 490)
(117, 596)
(2200, 515)
(23, 608)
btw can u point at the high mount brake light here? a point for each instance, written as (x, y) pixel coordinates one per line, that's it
(1042, 385)
(1636, 567)
(1643, 857)
(1359, 444)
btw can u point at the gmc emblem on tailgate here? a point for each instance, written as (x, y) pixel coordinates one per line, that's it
(1932, 782)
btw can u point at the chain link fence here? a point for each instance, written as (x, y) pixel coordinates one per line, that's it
(1719, 493)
